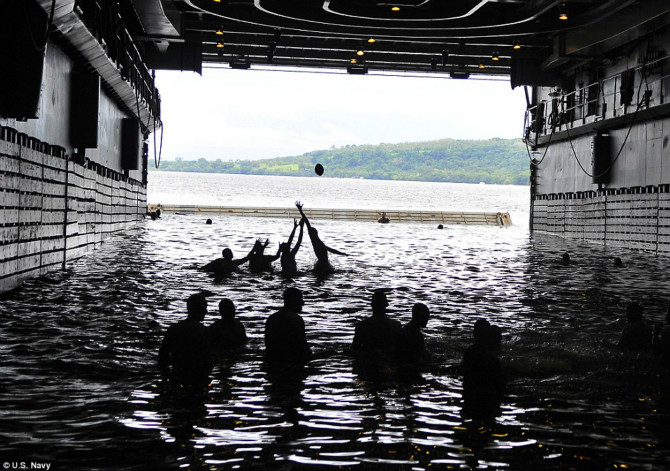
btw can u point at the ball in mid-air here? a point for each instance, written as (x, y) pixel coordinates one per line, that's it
(318, 169)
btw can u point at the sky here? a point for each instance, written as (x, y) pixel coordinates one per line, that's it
(257, 114)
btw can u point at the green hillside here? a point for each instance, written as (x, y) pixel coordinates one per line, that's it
(503, 161)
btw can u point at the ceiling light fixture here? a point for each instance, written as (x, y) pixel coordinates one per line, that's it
(562, 12)
(517, 45)
(241, 62)
(395, 8)
(495, 56)
(481, 65)
(219, 31)
(356, 69)
(360, 52)
(372, 40)
(456, 74)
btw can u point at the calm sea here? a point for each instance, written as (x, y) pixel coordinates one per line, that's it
(209, 189)
(78, 348)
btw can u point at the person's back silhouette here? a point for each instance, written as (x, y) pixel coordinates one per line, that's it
(185, 354)
(412, 344)
(289, 266)
(285, 338)
(483, 380)
(227, 333)
(377, 334)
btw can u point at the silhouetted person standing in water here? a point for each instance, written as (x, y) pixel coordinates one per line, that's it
(636, 335)
(483, 380)
(288, 265)
(258, 261)
(228, 332)
(185, 354)
(285, 338)
(320, 249)
(412, 344)
(377, 334)
(226, 264)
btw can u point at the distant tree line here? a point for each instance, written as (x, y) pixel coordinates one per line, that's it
(503, 161)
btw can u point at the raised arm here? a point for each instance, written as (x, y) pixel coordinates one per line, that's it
(335, 251)
(304, 218)
(272, 258)
(246, 258)
(295, 226)
(297, 244)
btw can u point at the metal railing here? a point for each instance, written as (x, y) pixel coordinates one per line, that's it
(644, 86)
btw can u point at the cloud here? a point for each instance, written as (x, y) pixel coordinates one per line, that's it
(233, 114)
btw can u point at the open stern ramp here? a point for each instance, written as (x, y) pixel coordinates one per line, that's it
(394, 215)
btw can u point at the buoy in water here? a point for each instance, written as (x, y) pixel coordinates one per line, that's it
(318, 169)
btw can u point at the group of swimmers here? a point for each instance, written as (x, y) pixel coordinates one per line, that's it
(637, 335)
(189, 348)
(260, 262)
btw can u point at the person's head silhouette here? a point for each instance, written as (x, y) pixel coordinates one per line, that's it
(379, 303)
(196, 305)
(227, 253)
(420, 314)
(293, 299)
(226, 309)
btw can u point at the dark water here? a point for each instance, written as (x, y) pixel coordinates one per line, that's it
(80, 388)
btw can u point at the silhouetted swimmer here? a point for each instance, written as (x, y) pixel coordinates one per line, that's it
(440, 226)
(383, 219)
(377, 334)
(228, 332)
(289, 266)
(258, 261)
(226, 264)
(185, 354)
(154, 214)
(412, 344)
(208, 221)
(320, 249)
(285, 337)
(483, 380)
(618, 262)
(636, 335)
(565, 259)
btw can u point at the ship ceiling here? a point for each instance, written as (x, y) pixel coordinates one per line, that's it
(466, 37)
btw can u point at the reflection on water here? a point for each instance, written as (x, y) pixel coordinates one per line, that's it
(211, 189)
(81, 387)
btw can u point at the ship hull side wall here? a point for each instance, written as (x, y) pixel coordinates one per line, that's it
(58, 202)
(625, 201)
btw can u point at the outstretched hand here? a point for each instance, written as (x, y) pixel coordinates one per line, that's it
(298, 205)
(295, 222)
